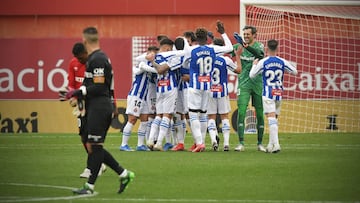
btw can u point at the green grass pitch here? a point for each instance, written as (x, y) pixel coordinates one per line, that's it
(310, 168)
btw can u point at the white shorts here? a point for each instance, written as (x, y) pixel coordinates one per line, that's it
(134, 105)
(150, 103)
(219, 105)
(271, 105)
(198, 99)
(166, 102)
(182, 102)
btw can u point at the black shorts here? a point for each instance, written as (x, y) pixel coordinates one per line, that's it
(98, 121)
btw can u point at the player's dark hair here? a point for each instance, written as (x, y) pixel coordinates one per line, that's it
(179, 43)
(161, 37)
(272, 44)
(201, 35)
(253, 29)
(153, 48)
(211, 35)
(191, 35)
(166, 41)
(218, 41)
(78, 49)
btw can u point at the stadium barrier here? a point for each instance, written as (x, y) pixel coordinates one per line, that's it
(50, 116)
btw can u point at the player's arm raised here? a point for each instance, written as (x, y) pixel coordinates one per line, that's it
(258, 53)
(220, 50)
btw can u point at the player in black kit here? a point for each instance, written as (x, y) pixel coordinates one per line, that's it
(96, 90)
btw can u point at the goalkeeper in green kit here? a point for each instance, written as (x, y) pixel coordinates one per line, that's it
(249, 87)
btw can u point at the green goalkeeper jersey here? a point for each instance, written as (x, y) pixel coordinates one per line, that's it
(248, 55)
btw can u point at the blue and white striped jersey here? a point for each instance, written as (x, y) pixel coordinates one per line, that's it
(167, 81)
(201, 67)
(201, 60)
(219, 86)
(183, 84)
(272, 69)
(140, 85)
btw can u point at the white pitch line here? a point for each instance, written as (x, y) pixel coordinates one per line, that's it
(210, 200)
(39, 199)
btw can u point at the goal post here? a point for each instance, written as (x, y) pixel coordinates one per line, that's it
(322, 38)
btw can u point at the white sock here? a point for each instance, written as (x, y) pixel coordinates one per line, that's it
(183, 122)
(273, 131)
(91, 186)
(178, 128)
(170, 133)
(148, 127)
(188, 123)
(212, 130)
(203, 126)
(164, 127)
(141, 133)
(126, 133)
(154, 129)
(226, 131)
(195, 127)
(123, 174)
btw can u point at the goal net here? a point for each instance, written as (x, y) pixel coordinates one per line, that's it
(323, 41)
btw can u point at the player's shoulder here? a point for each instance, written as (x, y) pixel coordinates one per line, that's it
(259, 45)
(99, 54)
(224, 57)
(160, 56)
(271, 59)
(228, 59)
(204, 48)
(265, 59)
(280, 58)
(74, 62)
(169, 54)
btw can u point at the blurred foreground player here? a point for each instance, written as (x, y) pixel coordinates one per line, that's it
(76, 73)
(96, 90)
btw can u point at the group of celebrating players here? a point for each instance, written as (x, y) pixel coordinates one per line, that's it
(185, 82)
(177, 83)
(180, 80)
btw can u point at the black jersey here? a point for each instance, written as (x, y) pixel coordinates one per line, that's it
(99, 83)
(98, 76)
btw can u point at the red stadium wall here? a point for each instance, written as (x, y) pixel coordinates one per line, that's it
(37, 38)
(39, 34)
(115, 19)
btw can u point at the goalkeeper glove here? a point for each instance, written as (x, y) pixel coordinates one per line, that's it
(63, 92)
(239, 39)
(74, 93)
(220, 27)
(73, 101)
